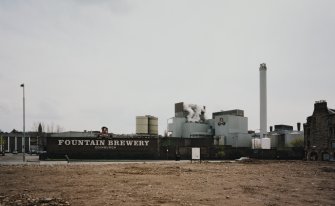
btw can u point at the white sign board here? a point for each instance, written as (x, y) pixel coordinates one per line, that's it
(266, 143)
(196, 153)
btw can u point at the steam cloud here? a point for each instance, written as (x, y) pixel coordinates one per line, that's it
(195, 113)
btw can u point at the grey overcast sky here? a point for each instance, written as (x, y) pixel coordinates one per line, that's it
(88, 64)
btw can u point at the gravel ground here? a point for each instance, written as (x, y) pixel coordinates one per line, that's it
(174, 183)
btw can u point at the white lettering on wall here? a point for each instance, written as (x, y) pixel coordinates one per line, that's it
(146, 142)
(100, 142)
(60, 142)
(74, 142)
(93, 142)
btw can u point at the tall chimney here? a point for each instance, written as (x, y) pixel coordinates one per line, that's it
(298, 126)
(263, 104)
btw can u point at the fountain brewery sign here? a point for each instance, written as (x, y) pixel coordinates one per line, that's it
(104, 144)
(107, 148)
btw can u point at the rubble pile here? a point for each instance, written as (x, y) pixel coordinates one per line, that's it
(27, 200)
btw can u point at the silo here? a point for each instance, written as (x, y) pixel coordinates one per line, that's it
(142, 125)
(147, 125)
(153, 125)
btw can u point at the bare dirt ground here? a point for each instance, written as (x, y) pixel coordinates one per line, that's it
(252, 183)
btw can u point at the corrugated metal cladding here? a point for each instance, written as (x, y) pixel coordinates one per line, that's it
(147, 125)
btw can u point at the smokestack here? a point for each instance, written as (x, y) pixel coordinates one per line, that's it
(298, 126)
(263, 104)
(271, 128)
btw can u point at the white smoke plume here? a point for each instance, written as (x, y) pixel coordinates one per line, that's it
(195, 113)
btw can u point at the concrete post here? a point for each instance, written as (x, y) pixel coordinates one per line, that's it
(15, 147)
(8, 144)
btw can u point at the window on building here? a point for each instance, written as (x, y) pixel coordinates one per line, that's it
(325, 156)
(333, 144)
(313, 156)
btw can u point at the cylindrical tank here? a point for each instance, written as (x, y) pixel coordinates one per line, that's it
(147, 125)
(142, 125)
(256, 143)
(153, 125)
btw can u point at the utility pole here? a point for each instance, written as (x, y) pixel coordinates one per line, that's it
(24, 127)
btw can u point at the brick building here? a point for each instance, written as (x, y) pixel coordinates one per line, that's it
(319, 133)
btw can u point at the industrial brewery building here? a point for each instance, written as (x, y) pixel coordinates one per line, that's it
(225, 127)
(225, 135)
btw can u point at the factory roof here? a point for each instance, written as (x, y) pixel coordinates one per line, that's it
(235, 112)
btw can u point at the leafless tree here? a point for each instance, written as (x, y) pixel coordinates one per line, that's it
(49, 128)
(34, 128)
(59, 129)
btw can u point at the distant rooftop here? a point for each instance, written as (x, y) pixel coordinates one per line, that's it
(283, 127)
(235, 112)
(320, 101)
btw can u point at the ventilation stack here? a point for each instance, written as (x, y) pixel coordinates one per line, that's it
(265, 142)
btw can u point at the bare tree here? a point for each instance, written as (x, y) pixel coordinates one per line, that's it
(34, 128)
(59, 129)
(49, 128)
(43, 126)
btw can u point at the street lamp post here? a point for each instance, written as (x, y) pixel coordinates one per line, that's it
(24, 127)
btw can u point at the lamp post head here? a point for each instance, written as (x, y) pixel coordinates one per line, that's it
(22, 85)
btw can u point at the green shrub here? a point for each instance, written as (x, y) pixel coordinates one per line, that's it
(220, 154)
